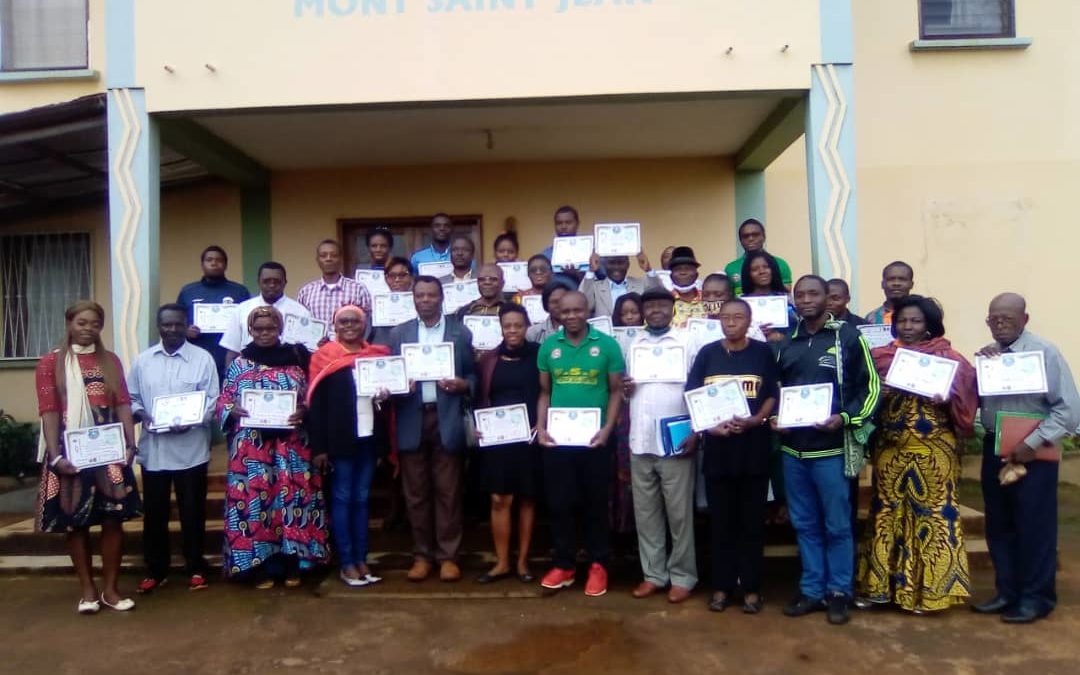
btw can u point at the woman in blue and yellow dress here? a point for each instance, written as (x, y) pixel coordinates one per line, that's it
(275, 519)
(913, 553)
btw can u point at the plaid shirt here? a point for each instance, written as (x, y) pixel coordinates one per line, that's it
(323, 299)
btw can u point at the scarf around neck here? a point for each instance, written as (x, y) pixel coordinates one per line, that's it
(279, 356)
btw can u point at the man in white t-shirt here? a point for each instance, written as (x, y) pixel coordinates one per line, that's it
(272, 282)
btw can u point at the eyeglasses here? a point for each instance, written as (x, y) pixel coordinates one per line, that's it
(398, 275)
(488, 280)
(538, 269)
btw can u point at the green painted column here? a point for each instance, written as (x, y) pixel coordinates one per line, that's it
(255, 232)
(749, 199)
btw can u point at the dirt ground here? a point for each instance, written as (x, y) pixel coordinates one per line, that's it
(399, 627)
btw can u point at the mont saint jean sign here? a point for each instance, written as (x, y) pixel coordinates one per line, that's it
(304, 9)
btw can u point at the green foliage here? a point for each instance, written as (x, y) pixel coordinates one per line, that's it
(18, 445)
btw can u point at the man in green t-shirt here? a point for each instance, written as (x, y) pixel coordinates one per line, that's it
(580, 368)
(752, 238)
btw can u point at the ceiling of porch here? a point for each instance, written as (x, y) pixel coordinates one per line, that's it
(698, 126)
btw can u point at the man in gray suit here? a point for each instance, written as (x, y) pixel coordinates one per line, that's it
(601, 294)
(431, 436)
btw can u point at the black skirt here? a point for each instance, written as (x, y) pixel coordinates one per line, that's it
(509, 469)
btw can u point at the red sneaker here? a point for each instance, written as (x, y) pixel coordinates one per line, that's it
(596, 584)
(197, 583)
(558, 578)
(150, 584)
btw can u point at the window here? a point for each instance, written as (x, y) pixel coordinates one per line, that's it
(954, 19)
(41, 275)
(43, 35)
(410, 234)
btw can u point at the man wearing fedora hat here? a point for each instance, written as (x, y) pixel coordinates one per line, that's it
(684, 274)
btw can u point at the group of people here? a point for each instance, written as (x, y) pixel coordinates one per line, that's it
(560, 354)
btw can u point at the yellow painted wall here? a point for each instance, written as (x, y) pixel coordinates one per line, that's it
(23, 95)
(677, 202)
(191, 219)
(968, 163)
(282, 53)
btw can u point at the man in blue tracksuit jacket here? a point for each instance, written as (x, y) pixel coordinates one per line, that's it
(818, 492)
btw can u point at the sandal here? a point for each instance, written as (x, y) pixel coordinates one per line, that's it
(753, 607)
(719, 602)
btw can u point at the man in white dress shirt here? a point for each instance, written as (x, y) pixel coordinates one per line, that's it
(663, 486)
(175, 457)
(272, 281)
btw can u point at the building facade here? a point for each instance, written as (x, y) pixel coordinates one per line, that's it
(132, 135)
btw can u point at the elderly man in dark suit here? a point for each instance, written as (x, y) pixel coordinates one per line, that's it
(431, 436)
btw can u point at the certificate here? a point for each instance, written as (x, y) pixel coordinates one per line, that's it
(922, 374)
(440, 269)
(380, 372)
(486, 332)
(178, 410)
(705, 331)
(95, 446)
(650, 362)
(392, 309)
(268, 408)
(516, 276)
(502, 425)
(214, 317)
(374, 280)
(665, 279)
(716, 403)
(458, 294)
(433, 361)
(624, 335)
(602, 324)
(573, 426)
(303, 330)
(768, 309)
(877, 334)
(534, 306)
(617, 239)
(1015, 373)
(571, 251)
(805, 406)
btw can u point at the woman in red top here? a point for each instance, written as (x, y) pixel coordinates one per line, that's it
(81, 384)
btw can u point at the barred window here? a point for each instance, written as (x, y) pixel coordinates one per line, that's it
(951, 19)
(43, 34)
(40, 276)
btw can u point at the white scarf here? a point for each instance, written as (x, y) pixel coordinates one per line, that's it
(77, 413)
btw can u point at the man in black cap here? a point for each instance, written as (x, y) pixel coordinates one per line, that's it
(684, 273)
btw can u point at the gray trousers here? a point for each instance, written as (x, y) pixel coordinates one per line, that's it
(664, 499)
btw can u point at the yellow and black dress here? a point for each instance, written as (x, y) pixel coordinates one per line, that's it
(913, 553)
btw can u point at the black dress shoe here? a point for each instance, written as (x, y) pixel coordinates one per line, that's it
(1022, 614)
(995, 605)
(526, 577)
(802, 605)
(489, 578)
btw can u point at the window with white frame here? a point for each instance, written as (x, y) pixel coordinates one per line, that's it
(43, 35)
(40, 276)
(956, 19)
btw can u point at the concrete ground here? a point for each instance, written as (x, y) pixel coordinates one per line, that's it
(398, 627)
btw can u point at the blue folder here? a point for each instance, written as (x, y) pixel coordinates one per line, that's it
(673, 430)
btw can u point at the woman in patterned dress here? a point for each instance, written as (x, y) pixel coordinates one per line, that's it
(913, 553)
(81, 384)
(625, 314)
(274, 514)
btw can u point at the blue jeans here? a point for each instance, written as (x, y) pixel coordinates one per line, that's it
(819, 504)
(349, 509)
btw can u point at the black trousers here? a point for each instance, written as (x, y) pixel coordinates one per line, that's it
(190, 485)
(1021, 531)
(577, 482)
(737, 526)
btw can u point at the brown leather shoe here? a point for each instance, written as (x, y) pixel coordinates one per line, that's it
(644, 590)
(678, 594)
(449, 571)
(420, 570)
